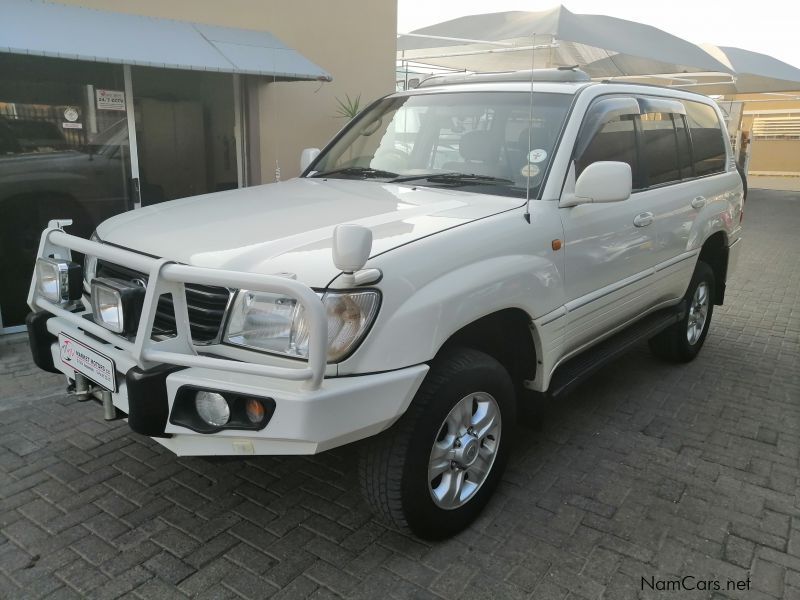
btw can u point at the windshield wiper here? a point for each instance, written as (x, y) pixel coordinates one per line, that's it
(363, 172)
(455, 178)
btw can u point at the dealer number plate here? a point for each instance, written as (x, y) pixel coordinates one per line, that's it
(88, 362)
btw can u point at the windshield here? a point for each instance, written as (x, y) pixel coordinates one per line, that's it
(475, 141)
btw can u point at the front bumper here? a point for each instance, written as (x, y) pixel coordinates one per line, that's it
(341, 410)
(312, 413)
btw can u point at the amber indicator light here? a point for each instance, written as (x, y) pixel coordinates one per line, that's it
(556, 244)
(255, 410)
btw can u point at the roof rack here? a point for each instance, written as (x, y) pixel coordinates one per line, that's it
(559, 74)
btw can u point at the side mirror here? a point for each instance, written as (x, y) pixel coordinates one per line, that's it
(352, 245)
(307, 156)
(602, 181)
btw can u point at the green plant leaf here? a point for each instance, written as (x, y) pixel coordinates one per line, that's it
(349, 107)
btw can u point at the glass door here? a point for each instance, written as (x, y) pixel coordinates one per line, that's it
(64, 153)
(185, 133)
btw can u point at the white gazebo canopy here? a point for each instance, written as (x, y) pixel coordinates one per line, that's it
(602, 46)
(751, 73)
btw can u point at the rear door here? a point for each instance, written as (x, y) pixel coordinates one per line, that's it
(678, 182)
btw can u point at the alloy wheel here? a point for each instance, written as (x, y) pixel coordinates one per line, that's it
(464, 451)
(698, 311)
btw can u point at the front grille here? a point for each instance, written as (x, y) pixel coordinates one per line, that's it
(206, 305)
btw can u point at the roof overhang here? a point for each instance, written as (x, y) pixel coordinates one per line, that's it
(60, 31)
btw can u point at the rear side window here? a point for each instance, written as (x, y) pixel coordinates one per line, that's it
(660, 148)
(708, 144)
(615, 141)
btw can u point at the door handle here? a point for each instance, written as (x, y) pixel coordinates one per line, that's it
(698, 202)
(643, 220)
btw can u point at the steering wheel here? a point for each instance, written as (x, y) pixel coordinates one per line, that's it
(391, 159)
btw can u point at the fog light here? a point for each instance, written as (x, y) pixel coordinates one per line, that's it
(58, 280)
(255, 410)
(211, 411)
(212, 408)
(116, 304)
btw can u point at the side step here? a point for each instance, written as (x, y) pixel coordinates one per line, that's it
(575, 370)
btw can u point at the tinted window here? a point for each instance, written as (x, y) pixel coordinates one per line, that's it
(615, 141)
(684, 152)
(708, 146)
(660, 148)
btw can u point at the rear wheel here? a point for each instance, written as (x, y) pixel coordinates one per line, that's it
(437, 467)
(682, 342)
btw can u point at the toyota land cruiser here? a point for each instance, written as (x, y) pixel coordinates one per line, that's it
(458, 253)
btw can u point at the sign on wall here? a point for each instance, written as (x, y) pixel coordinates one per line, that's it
(110, 99)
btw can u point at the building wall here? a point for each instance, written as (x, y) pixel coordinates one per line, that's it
(771, 156)
(778, 157)
(354, 40)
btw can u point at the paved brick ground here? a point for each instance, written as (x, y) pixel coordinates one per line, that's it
(648, 470)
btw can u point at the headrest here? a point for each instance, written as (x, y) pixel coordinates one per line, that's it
(476, 145)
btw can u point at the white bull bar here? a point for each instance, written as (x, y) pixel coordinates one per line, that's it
(168, 277)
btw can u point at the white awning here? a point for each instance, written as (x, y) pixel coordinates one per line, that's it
(60, 31)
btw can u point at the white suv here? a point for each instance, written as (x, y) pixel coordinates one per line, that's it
(457, 254)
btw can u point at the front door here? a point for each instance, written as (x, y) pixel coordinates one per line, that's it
(609, 248)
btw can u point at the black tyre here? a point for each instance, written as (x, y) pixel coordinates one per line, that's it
(436, 468)
(682, 342)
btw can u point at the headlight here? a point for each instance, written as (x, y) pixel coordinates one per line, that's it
(276, 323)
(90, 264)
(117, 305)
(58, 280)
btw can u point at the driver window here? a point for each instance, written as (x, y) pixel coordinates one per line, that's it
(616, 141)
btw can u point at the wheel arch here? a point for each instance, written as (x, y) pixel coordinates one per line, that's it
(507, 335)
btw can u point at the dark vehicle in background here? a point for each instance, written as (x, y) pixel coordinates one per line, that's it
(19, 136)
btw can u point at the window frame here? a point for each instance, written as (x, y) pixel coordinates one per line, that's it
(689, 148)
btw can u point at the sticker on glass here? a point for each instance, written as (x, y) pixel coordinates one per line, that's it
(530, 171)
(537, 156)
(71, 114)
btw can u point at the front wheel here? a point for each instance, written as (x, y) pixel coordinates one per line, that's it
(682, 342)
(437, 467)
